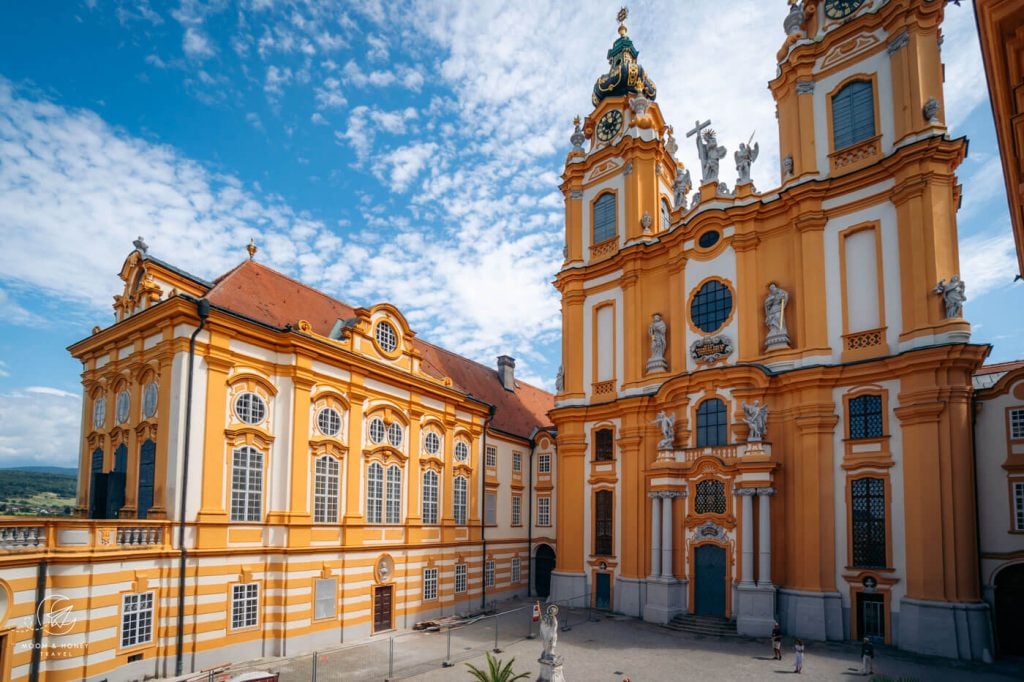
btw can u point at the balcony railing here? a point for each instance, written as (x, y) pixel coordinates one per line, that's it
(726, 453)
(28, 534)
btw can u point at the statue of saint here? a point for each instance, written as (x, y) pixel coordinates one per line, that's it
(657, 331)
(710, 154)
(667, 424)
(745, 156)
(560, 379)
(682, 187)
(775, 316)
(756, 417)
(549, 631)
(952, 295)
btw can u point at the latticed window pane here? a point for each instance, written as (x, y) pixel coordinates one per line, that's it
(711, 306)
(544, 464)
(516, 570)
(328, 421)
(1016, 424)
(245, 601)
(868, 497)
(136, 619)
(432, 443)
(489, 574)
(491, 456)
(325, 490)
(603, 523)
(459, 501)
(394, 501)
(517, 510)
(460, 577)
(246, 484)
(543, 511)
(430, 583)
(710, 497)
(461, 452)
(387, 338)
(866, 417)
(603, 446)
(1018, 506)
(377, 430)
(853, 114)
(374, 493)
(395, 434)
(712, 423)
(430, 495)
(517, 461)
(604, 218)
(250, 408)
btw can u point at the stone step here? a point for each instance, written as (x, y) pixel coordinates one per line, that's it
(703, 625)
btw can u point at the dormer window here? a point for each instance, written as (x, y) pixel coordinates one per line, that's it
(604, 218)
(387, 337)
(853, 114)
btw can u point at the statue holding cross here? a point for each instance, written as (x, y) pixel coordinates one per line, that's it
(708, 151)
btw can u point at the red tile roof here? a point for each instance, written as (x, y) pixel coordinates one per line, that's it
(267, 296)
(999, 367)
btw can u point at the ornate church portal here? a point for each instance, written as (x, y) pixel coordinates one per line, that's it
(764, 406)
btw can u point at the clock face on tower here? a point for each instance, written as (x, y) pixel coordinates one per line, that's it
(840, 9)
(609, 125)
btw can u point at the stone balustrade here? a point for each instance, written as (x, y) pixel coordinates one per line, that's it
(76, 535)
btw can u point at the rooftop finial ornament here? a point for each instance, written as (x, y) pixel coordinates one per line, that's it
(622, 16)
(251, 248)
(140, 244)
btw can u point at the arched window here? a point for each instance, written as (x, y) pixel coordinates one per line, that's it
(711, 423)
(604, 448)
(604, 218)
(430, 495)
(868, 498)
(393, 509)
(325, 490)
(121, 458)
(374, 493)
(603, 523)
(246, 484)
(666, 214)
(96, 465)
(710, 498)
(866, 417)
(459, 501)
(853, 114)
(147, 467)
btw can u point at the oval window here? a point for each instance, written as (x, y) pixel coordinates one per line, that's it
(250, 408)
(328, 421)
(461, 452)
(711, 306)
(99, 412)
(708, 239)
(395, 434)
(432, 443)
(377, 430)
(124, 403)
(387, 337)
(149, 396)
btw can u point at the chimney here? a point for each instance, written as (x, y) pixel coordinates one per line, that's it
(507, 372)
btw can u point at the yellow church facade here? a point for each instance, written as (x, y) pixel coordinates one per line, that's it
(765, 406)
(267, 471)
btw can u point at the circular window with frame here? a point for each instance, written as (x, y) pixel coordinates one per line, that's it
(328, 421)
(149, 398)
(711, 306)
(250, 408)
(708, 239)
(99, 412)
(432, 443)
(395, 434)
(461, 452)
(377, 430)
(386, 336)
(124, 406)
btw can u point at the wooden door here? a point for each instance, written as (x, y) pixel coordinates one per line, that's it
(382, 608)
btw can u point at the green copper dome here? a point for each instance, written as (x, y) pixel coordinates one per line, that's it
(625, 75)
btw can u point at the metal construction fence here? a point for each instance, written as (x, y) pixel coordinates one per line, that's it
(407, 654)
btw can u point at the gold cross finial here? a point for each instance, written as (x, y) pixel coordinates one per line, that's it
(623, 13)
(576, 121)
(251, 248)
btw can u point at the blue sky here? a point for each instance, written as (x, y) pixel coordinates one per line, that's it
(402, 152)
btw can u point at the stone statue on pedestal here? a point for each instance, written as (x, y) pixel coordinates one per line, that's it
(657, 331)
(775, 317)
(708, 151)
(667, 424)
(952, 295)
(550, 662)
(756, 417)
(682, 187)
(745, 156)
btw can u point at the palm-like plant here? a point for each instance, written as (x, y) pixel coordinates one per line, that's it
(496, 671)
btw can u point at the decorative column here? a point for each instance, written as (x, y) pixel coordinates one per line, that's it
(747, 575)
(666, 535)
(764, 542)
(655, 534)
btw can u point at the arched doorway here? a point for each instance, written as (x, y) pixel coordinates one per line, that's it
(709, 587)
(543, 564)
(1009, 606)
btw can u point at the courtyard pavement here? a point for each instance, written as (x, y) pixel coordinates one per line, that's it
(607, 647)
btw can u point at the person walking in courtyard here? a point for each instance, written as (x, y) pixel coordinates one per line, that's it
(776, 641)
(867, 656)
(799, 648)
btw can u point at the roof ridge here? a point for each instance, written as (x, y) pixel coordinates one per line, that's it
(282, 275)
(477, 362)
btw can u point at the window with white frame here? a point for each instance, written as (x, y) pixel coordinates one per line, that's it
(516, 570)
(491, 456)
(395, 434)
(431, 443)
(1016, 417)
(245, 605)
(544, 464)
(377, 431)
(250, 408)
(1018, 506)
(459, 501)
(325, 490)
(387, 337)
(136, 619)
(328, 421)
(543, 511)
(374, 493)
(430, 495)
(489, 574)
(491, 509)
(460, 577)
(517, 510)
(429, 583)
(517, 462)
(393, 510)
(325, 598)
(246, 484)
(461, 452)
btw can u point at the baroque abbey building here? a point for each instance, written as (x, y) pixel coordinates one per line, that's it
(766, 405)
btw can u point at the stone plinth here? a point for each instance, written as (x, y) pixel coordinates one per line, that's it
(755, 610)
(551, 669)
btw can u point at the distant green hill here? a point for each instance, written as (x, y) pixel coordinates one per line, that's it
(37, 490)
(63, 471)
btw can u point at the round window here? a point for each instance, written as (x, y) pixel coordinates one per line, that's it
(711, 306)
(124, 403)
(395, 434)
(328, 421)
(387, 338)
(377, 430)
(432, 443)
(461, 452)
(149, 396)
(99, 412)
(708, 239)
(250, 408)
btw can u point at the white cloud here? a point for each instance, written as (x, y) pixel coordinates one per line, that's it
(40, 425)
(988, 261)
(329, 95)
(318, 119)
(277, 78)
(403, 166)
(196, 45)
